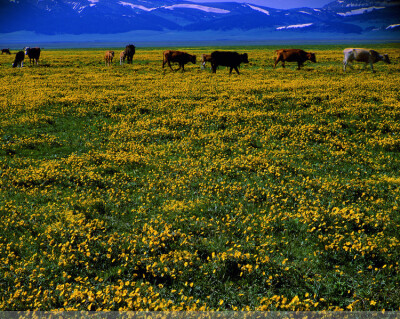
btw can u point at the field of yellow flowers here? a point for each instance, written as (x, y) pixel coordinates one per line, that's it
(133, 188)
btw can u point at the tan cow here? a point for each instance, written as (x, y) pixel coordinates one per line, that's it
(108, 57)
(204, 59)
(363, 55)
(122, 57)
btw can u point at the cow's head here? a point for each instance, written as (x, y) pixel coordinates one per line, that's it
(193, 59)
(27, 50)
(385, 58)
(311, 57)
(244, 58)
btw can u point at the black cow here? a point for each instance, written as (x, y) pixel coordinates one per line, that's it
(130, 50)
(227, 58)
(19, 59)
(6, 51)
(33, 54)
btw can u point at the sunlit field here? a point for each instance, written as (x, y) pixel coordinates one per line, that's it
(133, 188)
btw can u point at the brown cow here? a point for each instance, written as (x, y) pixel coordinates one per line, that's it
(204, 59)
(130, 51)
(6, 51)
(293, 55)
(227, 58)
(108, 57)
(179, 57)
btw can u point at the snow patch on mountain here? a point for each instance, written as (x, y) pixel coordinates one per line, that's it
(259, 9)
(295, 26)
(393, 26)
(78, 7)
(359, 11)
(197, 7)
(135, 6)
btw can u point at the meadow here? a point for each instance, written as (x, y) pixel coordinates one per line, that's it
(133, 188)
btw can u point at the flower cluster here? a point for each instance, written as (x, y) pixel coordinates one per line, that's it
(136, 188)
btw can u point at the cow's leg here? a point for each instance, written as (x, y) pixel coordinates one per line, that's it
(372, 67)
(236, 69)
(169, 64)
(364, 66)
(371, 63)
(350, 65)
(183, 67)
(276, 62)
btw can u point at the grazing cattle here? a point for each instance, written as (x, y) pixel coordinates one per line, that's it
(229, 59)
(122, 57)
(19, 59)
(204, 59)
(130, 50)
(178, 57)
(363, 55)
(7, 51)
(108, 57)
(33, 54)
(294, 55)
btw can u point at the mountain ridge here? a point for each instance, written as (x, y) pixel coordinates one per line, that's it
(114, 16)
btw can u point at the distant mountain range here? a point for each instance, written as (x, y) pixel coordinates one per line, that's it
(114, 16)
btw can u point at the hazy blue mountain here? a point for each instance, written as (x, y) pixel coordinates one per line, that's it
(114, 16)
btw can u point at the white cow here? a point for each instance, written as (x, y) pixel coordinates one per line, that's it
(363, 55)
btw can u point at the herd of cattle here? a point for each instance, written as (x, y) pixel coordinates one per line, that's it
(220, 58)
